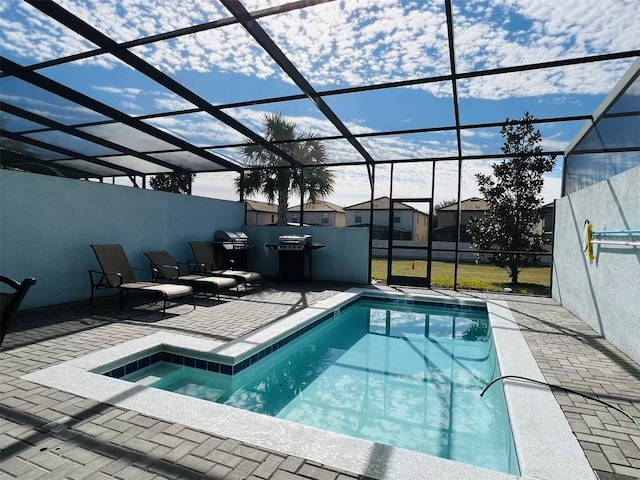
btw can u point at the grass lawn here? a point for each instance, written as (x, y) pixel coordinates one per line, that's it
(534, 280)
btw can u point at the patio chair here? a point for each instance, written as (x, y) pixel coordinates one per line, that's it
(206, 265)
(116, 272)
(165, 268)
(10, 301)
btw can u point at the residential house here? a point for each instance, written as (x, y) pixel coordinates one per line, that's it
(261, 213)
(408, 222)
(321, 213)
(448, 219)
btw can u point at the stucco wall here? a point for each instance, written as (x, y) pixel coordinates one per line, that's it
(604, 293)
(345, 257)
(47, 224)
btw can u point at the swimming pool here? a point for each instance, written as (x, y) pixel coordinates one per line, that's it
(545, 445)
(406, 375)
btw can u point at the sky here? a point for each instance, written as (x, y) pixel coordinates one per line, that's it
(336, 45)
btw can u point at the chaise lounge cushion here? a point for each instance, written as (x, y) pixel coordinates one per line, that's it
(206, 259)
(166, 289)
(169, 269)
(246, 277)
(220, 282)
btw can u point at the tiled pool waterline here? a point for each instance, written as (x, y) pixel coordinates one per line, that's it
(545, 444)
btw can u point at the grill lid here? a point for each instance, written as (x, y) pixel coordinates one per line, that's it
(295, 239)
(233, 237)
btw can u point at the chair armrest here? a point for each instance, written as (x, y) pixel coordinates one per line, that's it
(195, 267)
(157, 273)
(10, 281)
(148, 273)
(103, 276)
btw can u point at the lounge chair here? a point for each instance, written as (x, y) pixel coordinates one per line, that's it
(116, 272)
(164, 267)
(10, 301)
(206, 265)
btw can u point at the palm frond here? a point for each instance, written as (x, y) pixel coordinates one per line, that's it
(278, 183)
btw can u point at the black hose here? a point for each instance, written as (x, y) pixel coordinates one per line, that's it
(558, 387)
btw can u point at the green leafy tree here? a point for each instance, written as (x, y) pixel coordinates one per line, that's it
(278, 183)
(173, 182)
(513, 195)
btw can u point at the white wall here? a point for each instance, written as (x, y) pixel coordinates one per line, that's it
(345, 257)
(604, 293)
(47, 224)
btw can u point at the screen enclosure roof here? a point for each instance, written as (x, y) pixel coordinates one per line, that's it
(93, 89)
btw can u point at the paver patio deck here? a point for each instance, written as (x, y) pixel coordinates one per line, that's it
(47, 433)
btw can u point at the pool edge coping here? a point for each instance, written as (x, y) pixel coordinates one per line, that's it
(331, 449)
(537, 439)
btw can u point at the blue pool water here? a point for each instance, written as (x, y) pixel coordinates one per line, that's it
(408, 376)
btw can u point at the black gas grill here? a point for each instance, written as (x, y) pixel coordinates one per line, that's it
(294, 243)
(232, 249)
(293, 250)
(232, 240)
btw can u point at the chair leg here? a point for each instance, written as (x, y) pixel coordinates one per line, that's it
(93, 289)
(164, 305)
(194, 300)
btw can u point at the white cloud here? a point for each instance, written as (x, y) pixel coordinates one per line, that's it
(198, 128)
(131, 106)
(28, 34)
(117, 90)
(355, 42)
(171, 103)
(131, 19)
(65, 113)
(161, 100)
(216, 185)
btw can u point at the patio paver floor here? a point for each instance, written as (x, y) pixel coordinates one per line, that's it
(47, 433)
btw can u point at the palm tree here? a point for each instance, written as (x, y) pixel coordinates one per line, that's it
(276, 181)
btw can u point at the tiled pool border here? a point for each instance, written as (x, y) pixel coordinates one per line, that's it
(229, 369)
(545, 444)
